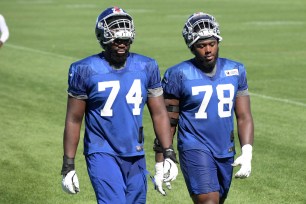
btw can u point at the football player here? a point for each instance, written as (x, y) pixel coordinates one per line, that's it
(110, 89)
(202, 96)
(3, 30)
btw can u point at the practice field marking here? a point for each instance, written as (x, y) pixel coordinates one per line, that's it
(287, 101)
(279, 99)
(274, 23)
(38, 51)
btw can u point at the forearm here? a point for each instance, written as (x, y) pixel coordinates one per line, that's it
(73, 122)
(162, 130)
(71, 138)
(244, 120)
(246, 131)
(160, 121)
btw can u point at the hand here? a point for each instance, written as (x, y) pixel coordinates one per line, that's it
(159, 178)
(244, 161)
(70, 183)
(170, 170)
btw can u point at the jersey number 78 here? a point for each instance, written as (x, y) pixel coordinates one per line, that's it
(208, 89)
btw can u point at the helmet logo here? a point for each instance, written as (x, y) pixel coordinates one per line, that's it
(100, 25)
(117, 10)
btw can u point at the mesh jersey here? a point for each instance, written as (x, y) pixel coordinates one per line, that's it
(114, 101)
(206, 104)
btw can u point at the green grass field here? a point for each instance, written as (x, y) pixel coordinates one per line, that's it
(46, 36)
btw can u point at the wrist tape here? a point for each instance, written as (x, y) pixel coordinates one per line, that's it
(68, 165)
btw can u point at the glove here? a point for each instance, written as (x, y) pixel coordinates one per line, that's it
(70, 181)
(159, 178)
(244, 161)
(170, 168)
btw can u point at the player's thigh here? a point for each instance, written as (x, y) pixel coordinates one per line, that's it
(225, 174)
(106, 178)
(200, 171)
(136, 181)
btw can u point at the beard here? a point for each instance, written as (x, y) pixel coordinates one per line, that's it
(205, 65)
(116, 59)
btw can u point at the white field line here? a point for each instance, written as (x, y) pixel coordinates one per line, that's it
(38, 51)
(287, 101)
(274, 23)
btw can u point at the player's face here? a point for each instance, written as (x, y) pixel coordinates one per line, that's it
(206, 53)
(118, 51)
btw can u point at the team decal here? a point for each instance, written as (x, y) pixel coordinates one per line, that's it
(231, 72)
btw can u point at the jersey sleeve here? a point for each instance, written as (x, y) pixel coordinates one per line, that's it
(154, 75)
(171, 83)
(242, 83)
(76, 82)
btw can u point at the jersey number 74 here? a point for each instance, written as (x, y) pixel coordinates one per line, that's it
(132, 97)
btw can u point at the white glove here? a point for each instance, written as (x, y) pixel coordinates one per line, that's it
(170, 170)
(159, 178)
(244, 161)
(70, 183)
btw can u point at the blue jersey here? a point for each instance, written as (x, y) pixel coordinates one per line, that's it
(115, 99)
(206, 104)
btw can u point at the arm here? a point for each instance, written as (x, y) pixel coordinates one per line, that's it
(74, 117)
(244, 120)
(161, 167)
(173, 117)
(245, 134)
(165, 167)
(160, 120)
